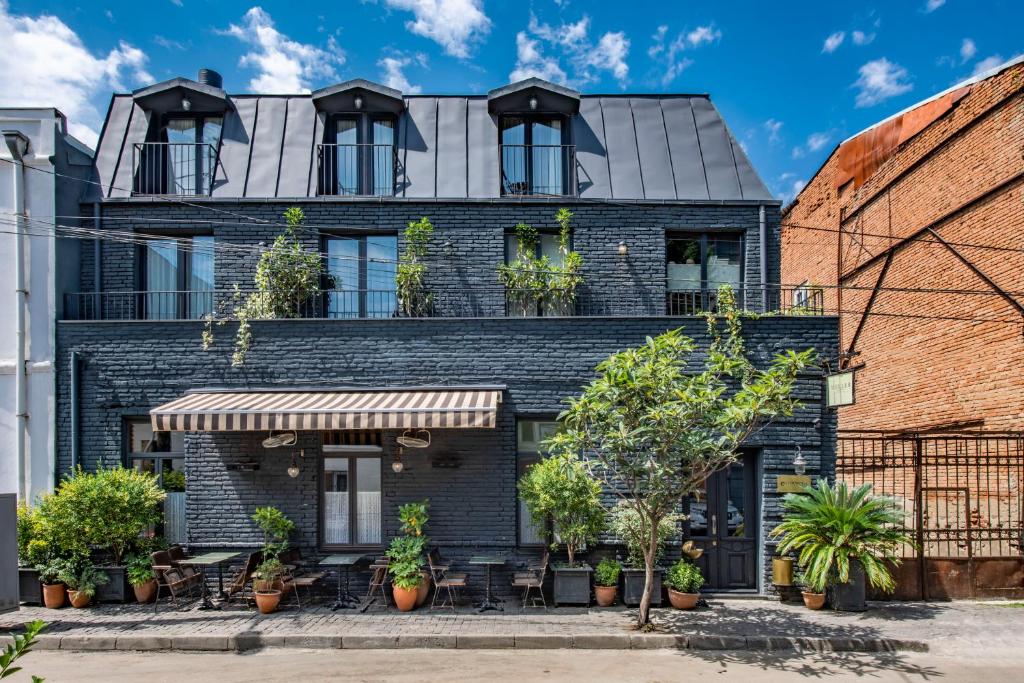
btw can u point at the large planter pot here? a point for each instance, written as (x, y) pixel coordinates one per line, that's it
(146, 592)
(117, 588)
(267, 602)
(683, 600)
(29, 589)
(633, 582)
(852, 595)
(405, 598)
(572, 585)
(813, 600)
(53, 595)
(605, 595)
(424, 589)
(79, 599)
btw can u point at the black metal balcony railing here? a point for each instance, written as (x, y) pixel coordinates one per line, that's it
(173, 168)
(468, 302)
(356, 170)
(538, 170)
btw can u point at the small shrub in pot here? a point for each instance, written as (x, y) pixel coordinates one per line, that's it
(684, 581)
(142, 578)
(82, 582)
(606, 581)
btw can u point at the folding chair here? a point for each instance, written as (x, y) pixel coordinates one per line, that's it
(532, 579)
(444, 579)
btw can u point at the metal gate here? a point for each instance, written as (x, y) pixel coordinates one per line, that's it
(964, 503)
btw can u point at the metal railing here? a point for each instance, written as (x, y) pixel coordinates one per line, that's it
(356, 170)
(597, 299)
(538, 170)
(173, 168)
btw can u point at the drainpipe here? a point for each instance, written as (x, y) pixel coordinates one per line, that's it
(74, 372)
(762, 233)
(17, 143)
(97, 262)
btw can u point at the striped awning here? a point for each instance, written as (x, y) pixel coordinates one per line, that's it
(433, 408)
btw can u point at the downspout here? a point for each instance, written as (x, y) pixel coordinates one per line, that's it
(75, 410)
(762, 234)
(97, 262)
(17, 143)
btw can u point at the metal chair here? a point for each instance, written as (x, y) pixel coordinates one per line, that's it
(239, 585)
(378, 581)
(444, 579)
(170, 577)
(532, 578)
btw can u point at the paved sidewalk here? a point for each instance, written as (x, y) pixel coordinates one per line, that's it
(724, 625)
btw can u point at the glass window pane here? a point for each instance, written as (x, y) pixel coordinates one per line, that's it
(547, 157)
(735, 510)
(200, 280)
(513, 156)
(347, 156)
(683, 257)
(181, 156)
(336, 486)
(343, 268)
(529, 533)
(368, 500)
(161, 279)
(212, 126)
(724, 262)
(549, 248)
(381, 265)
(382, 159)
(699, 511)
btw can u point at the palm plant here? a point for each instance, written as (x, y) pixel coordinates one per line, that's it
(833, 527)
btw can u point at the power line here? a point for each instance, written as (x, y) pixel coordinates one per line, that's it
(922, 238)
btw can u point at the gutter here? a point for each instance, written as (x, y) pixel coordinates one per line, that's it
(75, 410)
(762, 233)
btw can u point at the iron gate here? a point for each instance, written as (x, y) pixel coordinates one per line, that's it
(964, 503)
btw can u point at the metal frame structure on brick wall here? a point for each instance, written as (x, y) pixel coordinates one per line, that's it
(963, 494)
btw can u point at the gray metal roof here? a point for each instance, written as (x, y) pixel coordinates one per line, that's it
(643, 147)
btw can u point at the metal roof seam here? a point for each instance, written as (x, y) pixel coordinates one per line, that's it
(252, 143)
(668, 149)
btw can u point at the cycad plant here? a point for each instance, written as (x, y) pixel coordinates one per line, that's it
(831, 527)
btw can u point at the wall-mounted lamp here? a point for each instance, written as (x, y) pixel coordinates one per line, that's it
(799, 462)
(186, 104)
(397, 465)
(448, 247)
(623, 248)
(533, 104)
(293, 469)
(359, 101)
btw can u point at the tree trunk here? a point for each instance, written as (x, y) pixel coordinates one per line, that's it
(569, 550)
(643, 615)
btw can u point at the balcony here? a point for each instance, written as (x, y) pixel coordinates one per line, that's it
(173, 168)
(611, 300)
(358, 170)
(538, 171)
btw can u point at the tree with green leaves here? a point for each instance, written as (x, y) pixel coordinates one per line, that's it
(653, 431)
(410, 277)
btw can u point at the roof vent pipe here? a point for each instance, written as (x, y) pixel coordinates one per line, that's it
(211, 78)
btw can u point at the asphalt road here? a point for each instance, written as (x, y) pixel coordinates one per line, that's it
(589, 666)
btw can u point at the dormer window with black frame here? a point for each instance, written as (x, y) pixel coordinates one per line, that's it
(358, 155)
(537, 157)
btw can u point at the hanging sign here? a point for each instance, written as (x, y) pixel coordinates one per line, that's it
(839, 389)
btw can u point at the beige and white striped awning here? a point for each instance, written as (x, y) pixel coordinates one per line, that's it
(431, 408)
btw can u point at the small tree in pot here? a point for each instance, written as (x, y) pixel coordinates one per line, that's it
(142, 578)
(408, 582)
(684, 581)
(561, 490)
(267, 583)
(52, 571)
(606, 581)
(82, 583)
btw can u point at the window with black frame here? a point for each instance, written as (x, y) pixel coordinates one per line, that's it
(530, 434)
(358, 157)
(182, 159)
(696, 266)
(361, 276)
(534, 157)
(177, 277)
(161, 454)
(350, 498)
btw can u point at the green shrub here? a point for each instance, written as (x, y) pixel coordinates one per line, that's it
(561, 489)
(627, 525)
(54, 569)
(607, 572)
(684, 577)
(276, 528)
(139, 569)
(406, 552)
(31, 544)
(85, 579)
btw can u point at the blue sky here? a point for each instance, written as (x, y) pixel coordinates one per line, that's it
(791, 78)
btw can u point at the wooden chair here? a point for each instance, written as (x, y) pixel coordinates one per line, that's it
(378, 581)
(240, 584)
(532, 578)
(450, 582)
(170, 577)
(177, 555)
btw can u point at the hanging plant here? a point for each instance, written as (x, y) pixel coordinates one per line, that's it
(534, 283)
(413, 299)
(288, 279)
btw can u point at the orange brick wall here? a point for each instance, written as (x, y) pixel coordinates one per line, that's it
(935, 369)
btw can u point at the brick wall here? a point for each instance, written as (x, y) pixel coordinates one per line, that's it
(955, 362)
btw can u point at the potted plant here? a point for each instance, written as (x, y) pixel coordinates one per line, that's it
(813, 595)
(606, 581)
(684, 581)
(142, 578)
(31, 551)
(844, 539)
(628, 525)
(51, 573)
(82, 583)
(413, 518)
(561, 489)
(267, 585)
(268, 578)
(410, 585)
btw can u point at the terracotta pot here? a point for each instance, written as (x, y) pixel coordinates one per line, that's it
(53, 595)
(146, 592)
(813, 600)
(683, 600)
(405, 598)
(605, 595)
(267, 601)
(264, 586)
(424, 589)
(79, 599)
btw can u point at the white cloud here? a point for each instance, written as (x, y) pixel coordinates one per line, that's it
(179, 3)
(672, 54)
(773, 127)
(393, 73)
(54, 68)
(789, 186)
(986, 64)
(861, 38)
(572, 42)
(833, 42)
(283, 65)
(967, 50)
(816, 141)
(455, 25)
(879, 80)
(170, 44)
(932, 5)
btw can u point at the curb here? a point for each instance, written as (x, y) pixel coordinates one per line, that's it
(247, 641)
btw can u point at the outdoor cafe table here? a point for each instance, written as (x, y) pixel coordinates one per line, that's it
(488, 561)
(209, 560)
(346, 599)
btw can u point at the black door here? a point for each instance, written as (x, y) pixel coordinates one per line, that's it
(724, 524)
